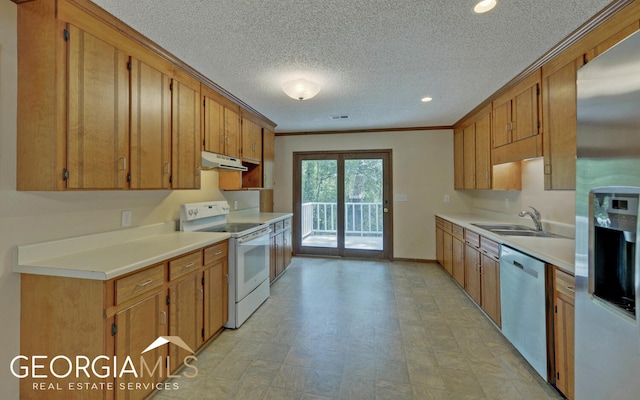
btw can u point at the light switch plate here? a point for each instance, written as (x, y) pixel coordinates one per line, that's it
(400, 197)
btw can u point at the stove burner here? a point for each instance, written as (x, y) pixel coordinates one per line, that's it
(231, 227)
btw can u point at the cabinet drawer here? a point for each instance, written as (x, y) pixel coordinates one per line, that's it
(446, 225)
(565, 283)
(457, 231)
(287, 223)
(216, 252)
(139, 283)
(184, 265)
(472, 238)
(489, 247)
(439, 223)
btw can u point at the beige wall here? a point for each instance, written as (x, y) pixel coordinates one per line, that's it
(28, 217)
(422, 170)
(557, 206)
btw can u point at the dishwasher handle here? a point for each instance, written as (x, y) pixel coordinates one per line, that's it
(526, 270)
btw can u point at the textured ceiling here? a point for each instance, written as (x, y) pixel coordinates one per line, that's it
(375, 59)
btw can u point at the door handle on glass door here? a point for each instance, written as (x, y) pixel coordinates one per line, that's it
(385, 210)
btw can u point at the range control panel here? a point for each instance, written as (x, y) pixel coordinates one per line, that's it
(192, 211)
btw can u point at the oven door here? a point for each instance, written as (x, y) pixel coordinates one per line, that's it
(252, 263)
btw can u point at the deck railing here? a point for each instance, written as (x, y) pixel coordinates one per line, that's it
(361, 219)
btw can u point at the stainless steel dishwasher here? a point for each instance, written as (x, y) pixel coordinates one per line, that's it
(523, 306)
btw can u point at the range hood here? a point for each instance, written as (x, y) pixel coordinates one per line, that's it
(218, 161)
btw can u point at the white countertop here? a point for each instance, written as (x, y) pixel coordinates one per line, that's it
(557, 251)
(107, 255)
(261, 218)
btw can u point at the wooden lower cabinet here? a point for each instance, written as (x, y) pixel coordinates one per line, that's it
(472, 272)
(490, 283)
(216, 289)
(439, 241)
(137, 327)
(457, 261)
(186, 316)
(563, 323)
(482, 273)
(280, 248)
(185, 296)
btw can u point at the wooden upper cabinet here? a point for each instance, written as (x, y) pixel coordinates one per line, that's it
(469, 163)
(213, 127)
(516, 133)
(186, 136)
(232, 132)
(268, 158)
(483, 151)
(150, 127)
(458, 159)
(472, 155)
(98, 113)
(251, 141)
(221, 124)
(559, 111)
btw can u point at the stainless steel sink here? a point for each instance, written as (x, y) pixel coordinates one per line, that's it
(532, 233)
(503, 227)
(515, 230)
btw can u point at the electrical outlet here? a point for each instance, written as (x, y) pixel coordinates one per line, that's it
(447, 198)
(125, 219)
(235, 204)
(506, 202)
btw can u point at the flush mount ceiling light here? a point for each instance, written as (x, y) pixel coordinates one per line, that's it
(301, 89)
(426, 99)
(484, 6)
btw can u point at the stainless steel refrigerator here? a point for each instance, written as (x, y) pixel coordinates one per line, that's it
(607, 332)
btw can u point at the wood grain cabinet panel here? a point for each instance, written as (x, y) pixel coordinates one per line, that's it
(150, 127)
(186, 297)
(458, 159)
(186, 137)
(564, 331)
(98, 113)
(137, 327)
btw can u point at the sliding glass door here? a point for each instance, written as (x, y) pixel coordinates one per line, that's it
(342, 203)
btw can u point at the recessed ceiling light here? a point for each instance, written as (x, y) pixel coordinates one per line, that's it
(426, 99)
(484, 6)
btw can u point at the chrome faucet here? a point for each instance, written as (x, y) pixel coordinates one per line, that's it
(535, 216)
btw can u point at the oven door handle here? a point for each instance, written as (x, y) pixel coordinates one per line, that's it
(254, 236)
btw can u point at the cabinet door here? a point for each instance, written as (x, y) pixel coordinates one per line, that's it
(137, 327)
(469, 167)
(483, 152)
(232, 131)
(287, 247)
(560, 126)
(268, 157)
(490, 287)
(564, 327)
(440, 246)
(525, 110)
(502, 124)
(458, 158)
(186, 138)
(185, 312)
(457, 265)
(216, 297)
(251, 141)
(273, 255)
(213, 126)
(98, 113)
(279, 253)
(150, 127)
(447, 252)
(472, 272)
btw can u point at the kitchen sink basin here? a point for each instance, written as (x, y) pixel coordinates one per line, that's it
(516, 230)
(503, 227)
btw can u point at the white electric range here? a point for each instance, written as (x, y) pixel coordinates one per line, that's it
(248, 255)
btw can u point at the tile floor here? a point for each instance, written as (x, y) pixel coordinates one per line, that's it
(336, 329)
